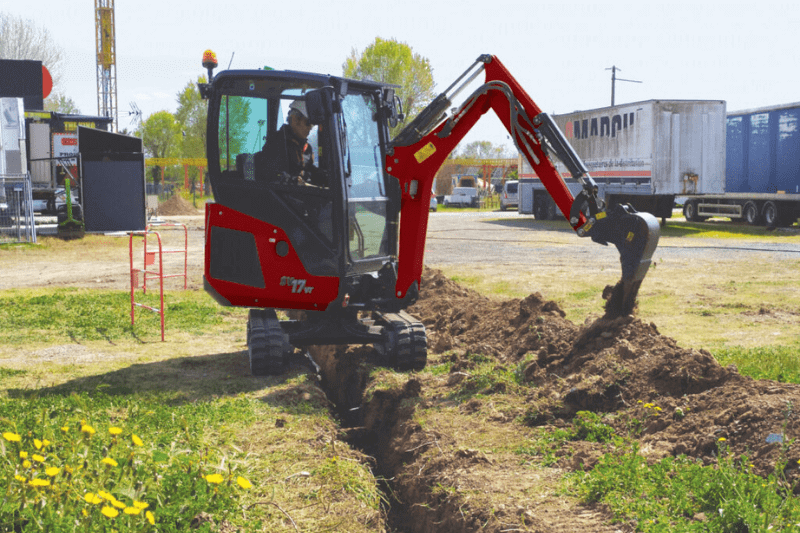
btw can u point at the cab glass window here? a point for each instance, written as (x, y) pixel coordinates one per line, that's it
(366, 189)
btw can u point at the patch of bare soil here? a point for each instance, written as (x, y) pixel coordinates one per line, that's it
(177, 206)
(622, 366)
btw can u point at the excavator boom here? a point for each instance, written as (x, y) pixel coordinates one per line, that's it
(418, 151)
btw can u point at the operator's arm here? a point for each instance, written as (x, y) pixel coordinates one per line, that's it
(282, 159)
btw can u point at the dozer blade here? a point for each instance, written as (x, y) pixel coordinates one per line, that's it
(636, 237)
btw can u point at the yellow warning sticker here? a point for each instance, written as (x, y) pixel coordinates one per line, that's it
(601, 215)
(425, 152)
(630, 236)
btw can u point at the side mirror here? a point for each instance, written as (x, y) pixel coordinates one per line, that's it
(394, 107)
(319, 104)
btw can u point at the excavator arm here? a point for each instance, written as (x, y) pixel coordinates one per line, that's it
(419, 150)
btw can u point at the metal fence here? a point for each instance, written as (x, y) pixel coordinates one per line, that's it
(16, 209)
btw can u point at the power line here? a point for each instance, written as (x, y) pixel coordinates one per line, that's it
(614, 79)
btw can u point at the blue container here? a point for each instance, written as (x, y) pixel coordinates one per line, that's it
(763, 150)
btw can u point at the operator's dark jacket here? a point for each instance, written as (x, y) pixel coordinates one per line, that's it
(284, 152)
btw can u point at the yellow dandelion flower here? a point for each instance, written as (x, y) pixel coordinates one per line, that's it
(131, 510)
(65, 429)
(53, 471)
(37, 443)
(140, 505)
(215, 478)
(150, 518)
(109, 511)
(89, 430)
(84, 512)
(20, 478)
(39, 482)
(26, 464)
(68, 469)
(115, 430)
(109, 461)
(38, 458)
(657, 408)
(23, 455)
(105, 495)
(45, 442)
(92, 498)
(136, 440)
(245, 484)
(118, 504)
(11, 437)
(721, 439)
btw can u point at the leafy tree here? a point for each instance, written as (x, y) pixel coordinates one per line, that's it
(391, 61)
(161, 137)
(481, 150)
(61, 103)
(191, 117)
(23, 39)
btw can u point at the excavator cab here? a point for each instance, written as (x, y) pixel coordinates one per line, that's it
(326, 246)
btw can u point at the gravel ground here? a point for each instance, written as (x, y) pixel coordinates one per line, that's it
(462, 238)
(466, 238)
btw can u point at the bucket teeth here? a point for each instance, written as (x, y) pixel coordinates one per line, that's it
(636, 237)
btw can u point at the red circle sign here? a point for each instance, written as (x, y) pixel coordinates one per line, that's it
(47, 82)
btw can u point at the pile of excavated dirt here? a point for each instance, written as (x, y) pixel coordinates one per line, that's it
(683, 401)
(617, 366)
(177, 206)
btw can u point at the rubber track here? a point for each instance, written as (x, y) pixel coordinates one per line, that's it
(411, 349)
(266, 343)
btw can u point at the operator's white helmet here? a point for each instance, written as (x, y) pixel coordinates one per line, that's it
(299, 105)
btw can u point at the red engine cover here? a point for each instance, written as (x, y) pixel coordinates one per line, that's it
(286, 282)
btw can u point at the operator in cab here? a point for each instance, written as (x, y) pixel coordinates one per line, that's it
(287, 156)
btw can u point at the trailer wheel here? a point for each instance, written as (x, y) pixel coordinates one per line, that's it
(770, 214)
(751, 214)
(690, 212)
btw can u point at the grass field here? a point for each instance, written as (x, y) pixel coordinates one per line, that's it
(139, 435)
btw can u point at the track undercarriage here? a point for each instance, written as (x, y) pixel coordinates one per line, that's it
(400, 340)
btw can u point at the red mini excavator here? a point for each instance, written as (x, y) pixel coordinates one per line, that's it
(348, 249)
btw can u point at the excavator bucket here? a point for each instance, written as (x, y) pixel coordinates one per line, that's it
(636, 237)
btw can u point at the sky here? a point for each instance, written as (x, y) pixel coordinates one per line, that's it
(559, 50)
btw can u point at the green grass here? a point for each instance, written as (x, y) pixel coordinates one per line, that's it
(725, 230)
(488, 377)
(203, 422)
(63, 315)
(586, 426)
(11, 372)
(135, 463)
(679, 494)
(779, 363)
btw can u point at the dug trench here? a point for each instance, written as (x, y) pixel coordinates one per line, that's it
(448, 439)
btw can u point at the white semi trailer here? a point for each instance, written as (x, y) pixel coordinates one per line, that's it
(643, 153)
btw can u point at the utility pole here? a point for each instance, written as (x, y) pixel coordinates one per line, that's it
(614, 79)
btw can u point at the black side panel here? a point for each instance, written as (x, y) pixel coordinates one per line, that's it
(22, 79)
(113, 185)
(234, 257)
